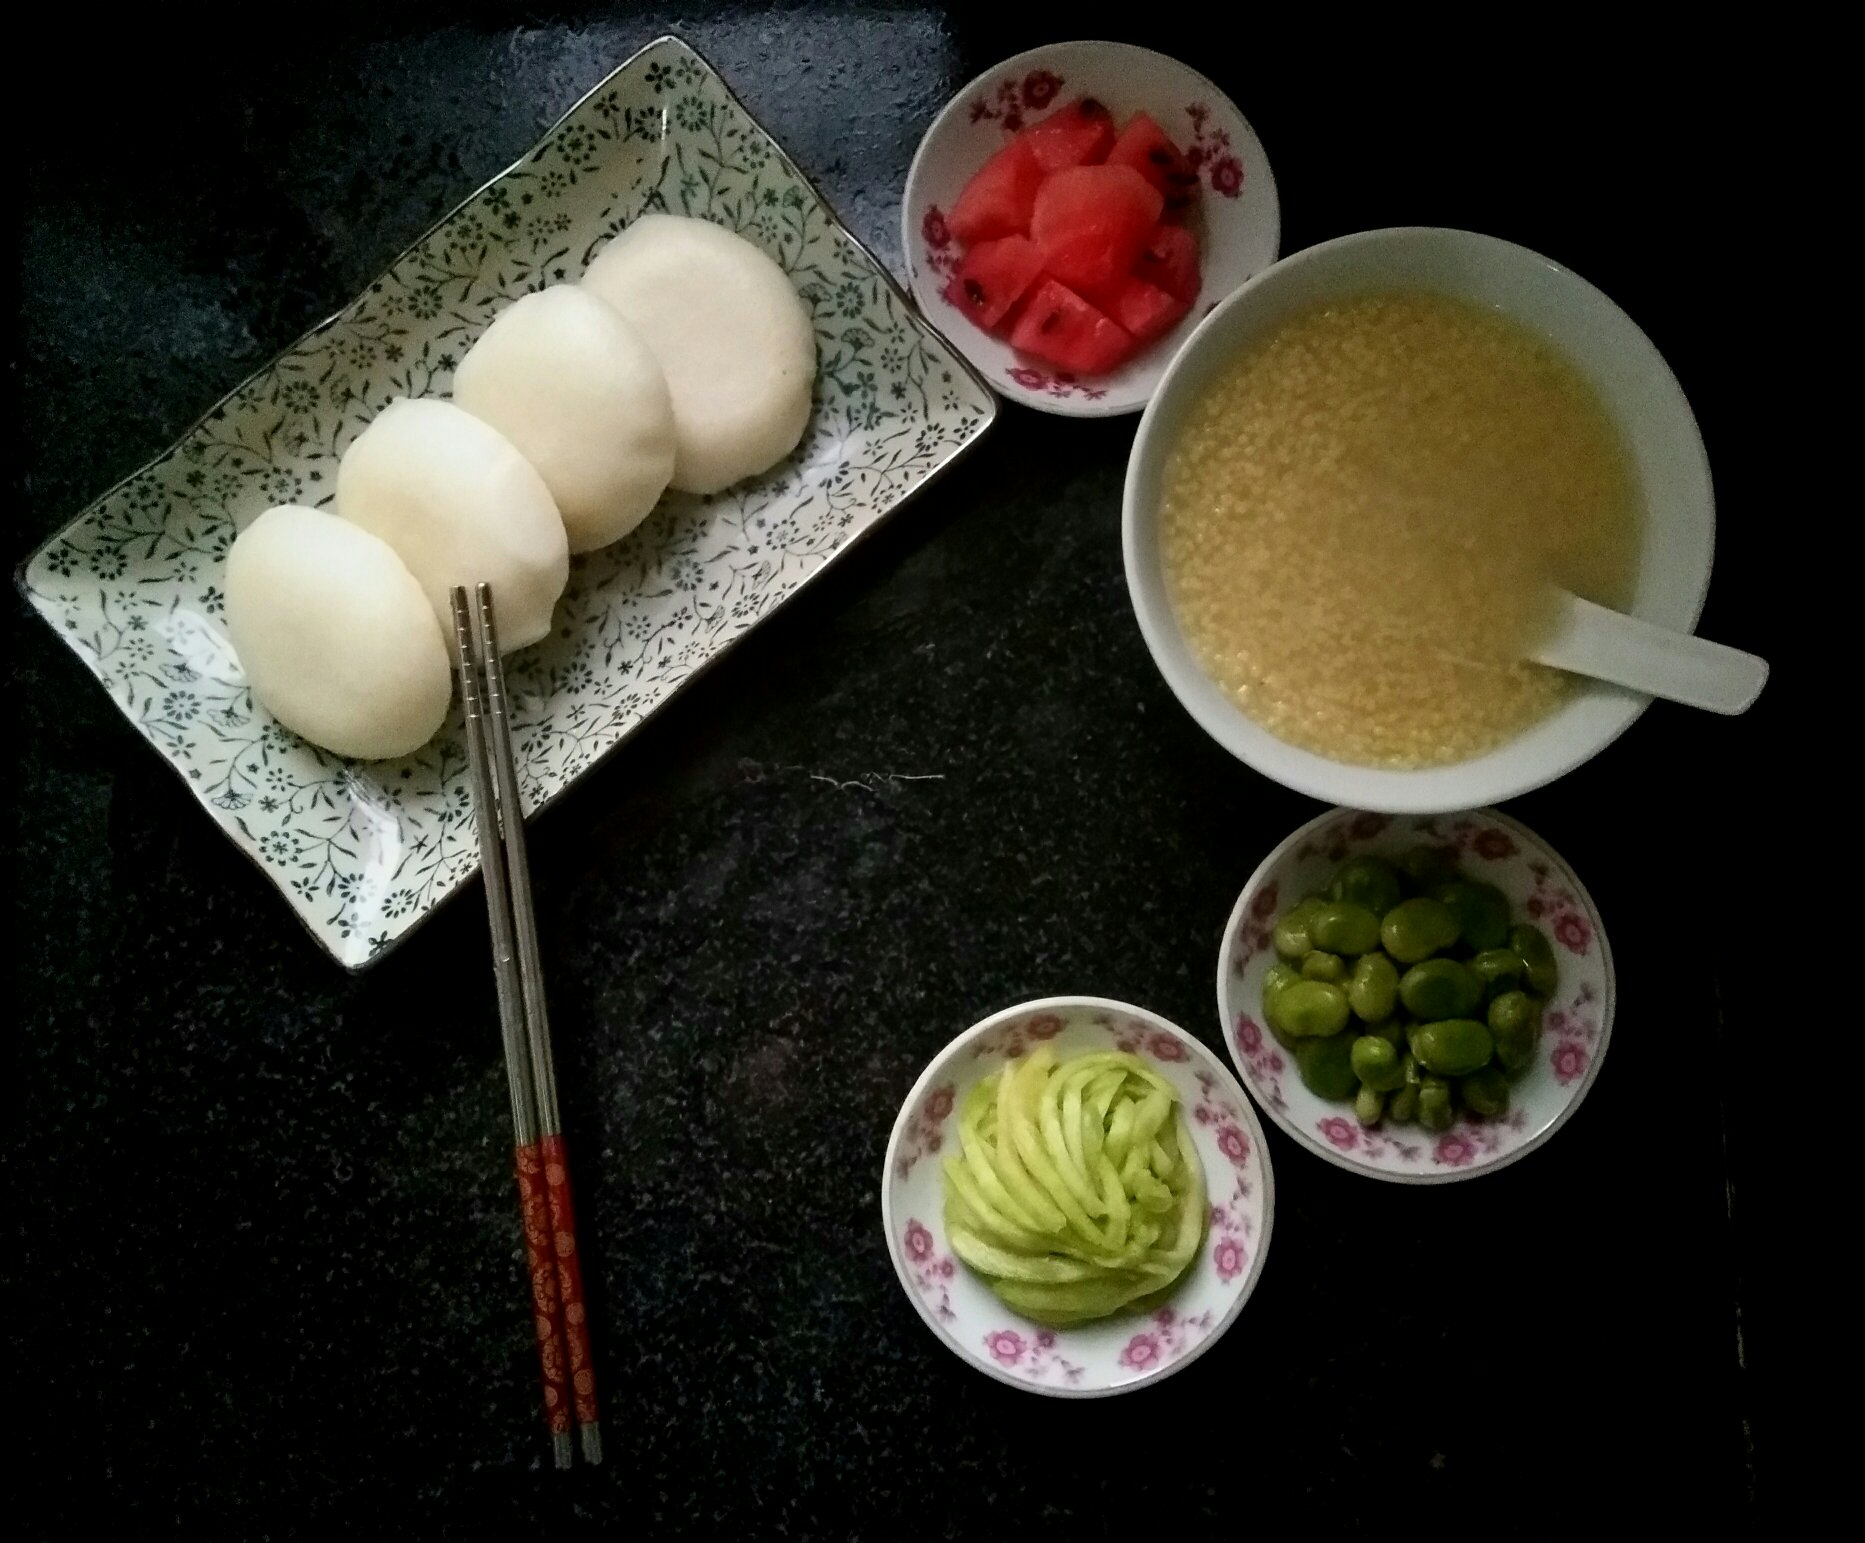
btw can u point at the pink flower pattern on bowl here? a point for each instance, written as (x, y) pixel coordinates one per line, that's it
(1059, 384)
(1142, 1352)
(1097, 1357)
(932, 1271)
(1468, 1139)
(1493, 844)
(1260, 1058)
(1005, 1345)
(1032, 1356)
(1168, 1338)
(1576, 1023)
(927, 1130)
(1014, 1038)
(1209, 153)
(1569, 1060)
(1453, 1149)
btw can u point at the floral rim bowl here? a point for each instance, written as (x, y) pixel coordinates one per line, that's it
(1239, 220)
(365, 851)
(1117, 1354)
(1577, 1022)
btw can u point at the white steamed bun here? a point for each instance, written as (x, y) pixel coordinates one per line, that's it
(460, 505)
(336, 638)
(570, 383)
(732, 335)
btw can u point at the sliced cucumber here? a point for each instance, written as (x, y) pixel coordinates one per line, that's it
(1077, 1191)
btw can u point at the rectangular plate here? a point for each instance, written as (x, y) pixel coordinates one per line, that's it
(365, 851)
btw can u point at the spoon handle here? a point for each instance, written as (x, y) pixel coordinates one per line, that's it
(1590, 640)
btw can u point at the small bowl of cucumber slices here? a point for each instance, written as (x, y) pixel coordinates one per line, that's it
(1077, 1197)
(1419, 998)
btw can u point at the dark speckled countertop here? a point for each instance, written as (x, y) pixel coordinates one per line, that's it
(264, 1275)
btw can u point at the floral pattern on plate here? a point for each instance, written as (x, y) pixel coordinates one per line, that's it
(927, 1133)
(932, 1270)
(1164, 1340)
(1085, 1359)
(1030, 1352)
(364, 851)
(1575, 1027)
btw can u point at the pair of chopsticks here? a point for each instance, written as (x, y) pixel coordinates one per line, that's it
(561, 1318)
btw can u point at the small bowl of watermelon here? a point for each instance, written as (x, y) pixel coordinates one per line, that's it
(1073, 213)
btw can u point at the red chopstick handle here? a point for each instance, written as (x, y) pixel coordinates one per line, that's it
(545, 1306)
(569, 1277)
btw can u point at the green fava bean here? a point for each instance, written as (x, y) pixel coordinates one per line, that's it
(1276, 980)
(1371, 882)
(1368, 1105)
(1402, 1106)
(1424, 868)
(1454, 1047)
(1278, 976)
(1499, 969)
(1326, 1066)
(1482, 912)
(1374, 988)
(1537, 955)
(1414, 930)
(1312, 1009)
(1440, 988)
(1292, 937)
(1376, 1063)
(1341, 927)
(1486, 1092)
(1515, 1025)
(1436, 1108)
(1324, 966)
(1393, 1031)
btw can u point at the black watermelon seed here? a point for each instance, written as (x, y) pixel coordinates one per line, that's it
(974, 291)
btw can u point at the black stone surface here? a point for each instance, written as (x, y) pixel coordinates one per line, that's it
(264, 1279)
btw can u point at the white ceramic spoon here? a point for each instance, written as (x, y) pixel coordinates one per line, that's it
(1588, 639)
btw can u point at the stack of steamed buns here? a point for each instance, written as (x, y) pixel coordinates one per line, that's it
(684, 359)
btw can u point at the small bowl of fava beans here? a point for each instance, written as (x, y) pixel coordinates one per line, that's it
(1420, 998)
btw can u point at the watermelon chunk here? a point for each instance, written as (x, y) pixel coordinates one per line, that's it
(1169, 259)
(999, 198)
(1144, 309)
(992, 277)
(1147, 148)
(1092, 221)
(1061, 327)
(1074, 135)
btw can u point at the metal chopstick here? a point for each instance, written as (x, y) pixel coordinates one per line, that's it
(496, 730)
(534, 1207)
